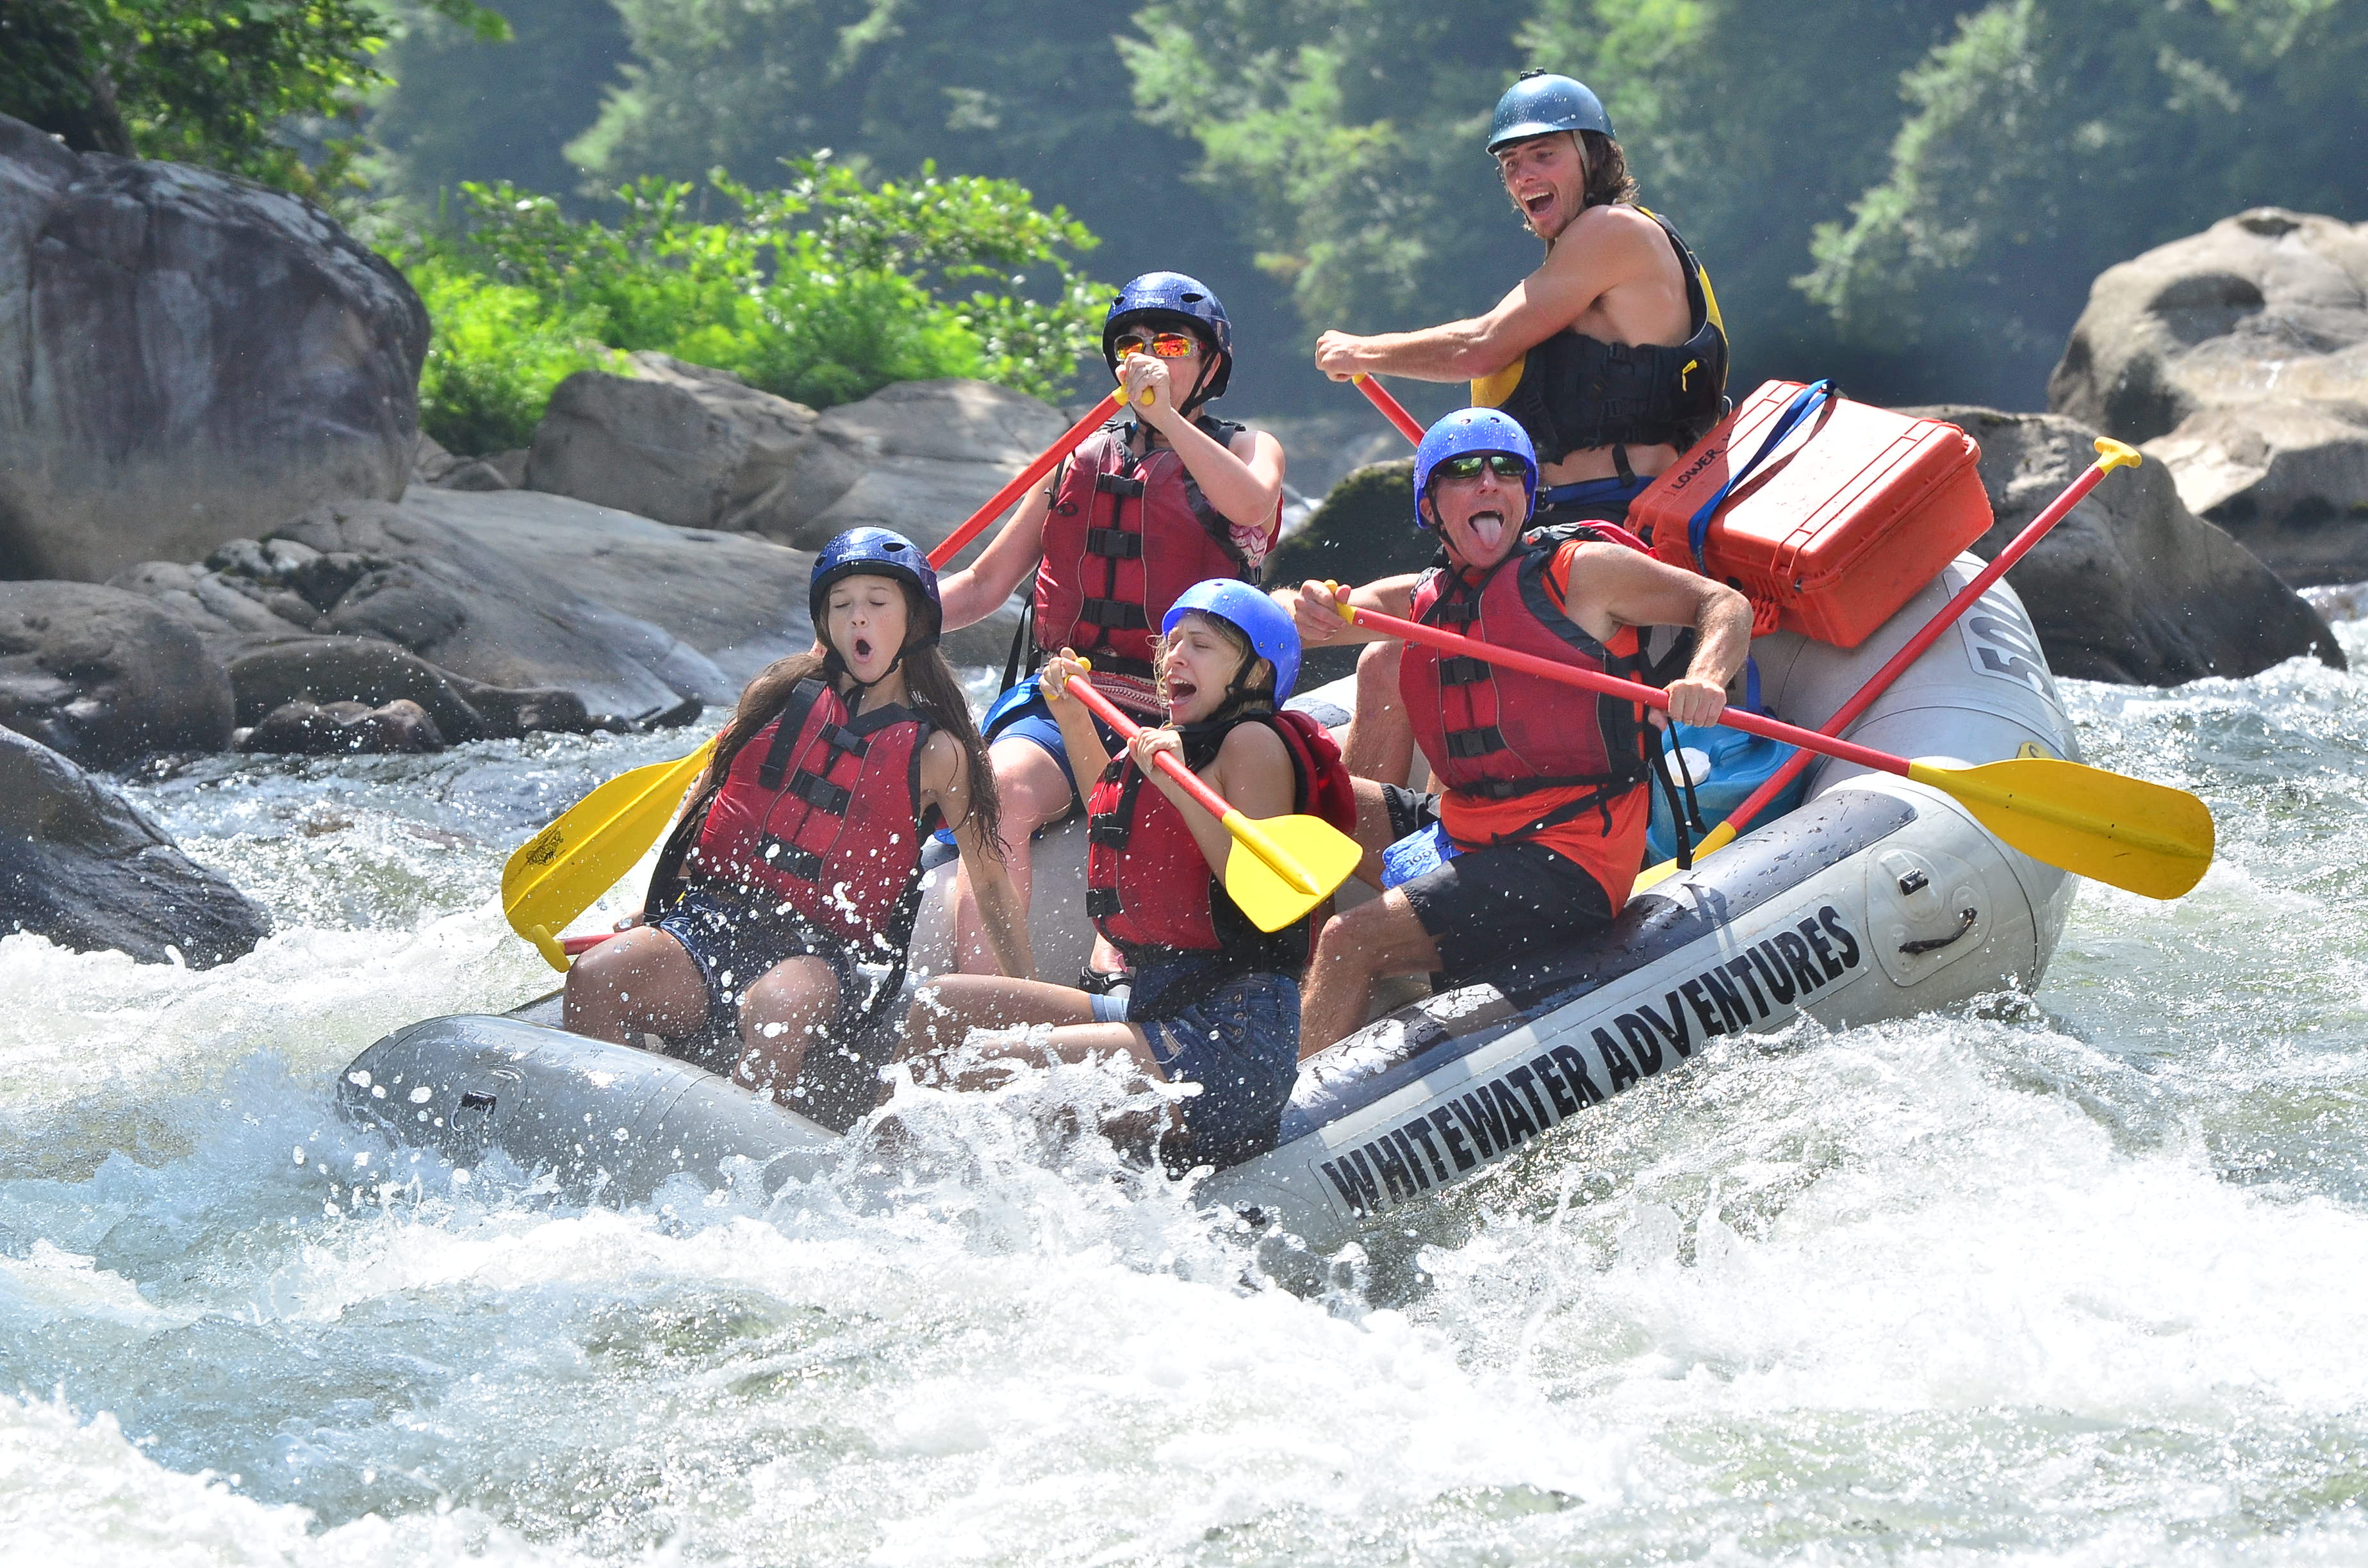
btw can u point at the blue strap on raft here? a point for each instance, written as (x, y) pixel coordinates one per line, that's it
(1803, 404)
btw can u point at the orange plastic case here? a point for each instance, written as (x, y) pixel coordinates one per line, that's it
(1857, 510)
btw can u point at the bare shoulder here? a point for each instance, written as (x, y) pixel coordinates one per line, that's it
(944, 766)
(1253, 745)
(1615, 236)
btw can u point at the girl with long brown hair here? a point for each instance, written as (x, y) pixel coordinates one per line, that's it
(800, 857)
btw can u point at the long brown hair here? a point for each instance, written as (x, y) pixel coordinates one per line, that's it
(930, 681)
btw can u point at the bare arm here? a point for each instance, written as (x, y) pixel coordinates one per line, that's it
(978, 590)
(1243, 482)
(1087, 756)
(946, 785)
(1592, 258)
(1624, 587)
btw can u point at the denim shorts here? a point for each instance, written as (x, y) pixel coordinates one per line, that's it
(1237, 1038)
(736, 943)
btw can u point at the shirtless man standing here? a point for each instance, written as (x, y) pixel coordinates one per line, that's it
(1611, 354)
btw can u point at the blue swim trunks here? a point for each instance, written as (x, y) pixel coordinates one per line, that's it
(1023, 714)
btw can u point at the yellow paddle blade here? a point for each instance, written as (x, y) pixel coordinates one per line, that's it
(563, 870)
(1309, 846)
(1715, 839)
(2147, 838)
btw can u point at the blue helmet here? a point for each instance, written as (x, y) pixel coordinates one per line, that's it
(1539, 104)
(1266, 623)
(1474, 430)
(1174, 299)
(878, 552)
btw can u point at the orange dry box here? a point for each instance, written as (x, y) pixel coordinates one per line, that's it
(1855, 510)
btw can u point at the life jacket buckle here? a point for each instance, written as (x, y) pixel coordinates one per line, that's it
(823, 796)
(1462, 669)
(782, 856)
(1118, 484)
(1114, 544)
(1466, 743)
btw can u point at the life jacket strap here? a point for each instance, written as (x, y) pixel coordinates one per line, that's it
(1114, 614)
(1462, 669)
(1101, 903)
(1114, 544)
(782, 856)
(823, 796)
(1480, 742)
(1119, 484)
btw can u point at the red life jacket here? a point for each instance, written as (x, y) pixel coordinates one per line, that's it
(822, 812)
(1124, 537)
(1497, 732)
(1148, 887)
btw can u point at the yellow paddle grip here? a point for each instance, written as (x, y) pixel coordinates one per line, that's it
(2112, 454)
(548, 946)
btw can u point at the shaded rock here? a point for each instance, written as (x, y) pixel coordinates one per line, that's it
(931, 452)
(315, 729)
(2132, 586)
(373, 674)
(106, 676)
(2240, 356)
(184, 357)
(82, 866)
(1363, 529)
(682, 444)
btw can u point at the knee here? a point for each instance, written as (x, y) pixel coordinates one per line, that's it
(1377, 669)
(1337, 944)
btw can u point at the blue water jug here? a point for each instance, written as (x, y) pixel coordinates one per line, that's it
(1727, 766)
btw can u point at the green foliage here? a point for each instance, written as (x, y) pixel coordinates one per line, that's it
(822, 291)
(213, 82)
(496, 353)
(2048, 140)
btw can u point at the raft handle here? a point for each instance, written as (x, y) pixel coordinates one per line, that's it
(1965, 918)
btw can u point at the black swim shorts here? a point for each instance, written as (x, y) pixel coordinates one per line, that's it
(1490, 910)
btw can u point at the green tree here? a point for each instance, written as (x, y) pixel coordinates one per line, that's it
(221, 83)
(2049, 138)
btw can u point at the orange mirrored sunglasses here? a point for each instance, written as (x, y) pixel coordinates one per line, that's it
(1159, 345)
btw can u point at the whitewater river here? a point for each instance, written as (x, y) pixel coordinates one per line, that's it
(2076, 1277)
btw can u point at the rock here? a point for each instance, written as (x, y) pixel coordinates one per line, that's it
(312, 729)
(680, 443)
(331, 670)
(1363, 529)
(925, 456)
(2132, 586)
(2288, 479)
(83, 866)
(192, 359)
(106, 676)
(2240, 356)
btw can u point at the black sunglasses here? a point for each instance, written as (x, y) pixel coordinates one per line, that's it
(1504, 465)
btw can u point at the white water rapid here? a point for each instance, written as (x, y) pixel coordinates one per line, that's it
(2079, 1277)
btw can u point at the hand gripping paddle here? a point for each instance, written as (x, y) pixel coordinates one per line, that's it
(2147, 838)
(1279, 868)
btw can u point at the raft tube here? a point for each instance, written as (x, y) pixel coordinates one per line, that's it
(1876, 898)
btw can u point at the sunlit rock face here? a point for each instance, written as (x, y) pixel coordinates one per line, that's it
(2240, 355)
(184, 358)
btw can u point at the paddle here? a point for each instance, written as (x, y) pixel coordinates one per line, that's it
(2110, 455)
(1279, 868)
(1391, 409)
(561, 872)
(557, 874)
(2145, 837)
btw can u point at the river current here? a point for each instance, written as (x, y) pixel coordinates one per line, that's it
(2074, 1277)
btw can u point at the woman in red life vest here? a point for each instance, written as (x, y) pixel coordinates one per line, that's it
(800, 854)
(1544, 799)
(1144, 510)
(1214, 1001)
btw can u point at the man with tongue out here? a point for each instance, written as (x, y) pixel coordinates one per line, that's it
(1544, 809)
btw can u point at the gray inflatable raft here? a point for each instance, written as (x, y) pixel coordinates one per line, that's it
(1875, 899)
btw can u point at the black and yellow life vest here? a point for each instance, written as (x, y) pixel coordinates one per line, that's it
(1573, 394)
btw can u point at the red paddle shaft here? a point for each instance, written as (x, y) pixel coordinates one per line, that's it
(1391, 409)
(1102, 708)
(1002, 499)
(2116, 455)
(1651, 696)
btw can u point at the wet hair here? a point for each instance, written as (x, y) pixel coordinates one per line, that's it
(936, 692)
(1261, 695)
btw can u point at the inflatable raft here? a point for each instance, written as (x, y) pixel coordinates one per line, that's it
(1876, 898)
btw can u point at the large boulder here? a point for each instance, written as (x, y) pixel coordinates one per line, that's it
(2240, 356)
(106, 677)
(697, 447)
(82, 866)
(686, 445)
(2132, 586)
(184, 357)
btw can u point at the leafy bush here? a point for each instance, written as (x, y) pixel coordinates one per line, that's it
(497, 351)
(823, 292)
